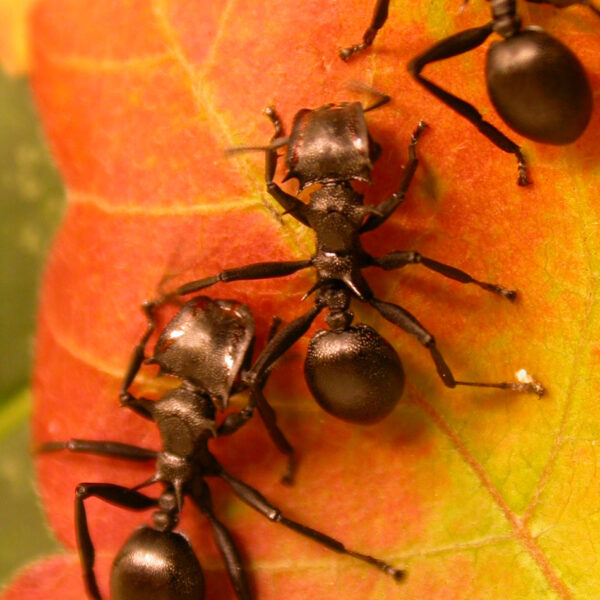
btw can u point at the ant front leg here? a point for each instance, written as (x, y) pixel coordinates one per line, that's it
(258, 502)
(290, 204)
(141, 406)
(114, 494)
(452, 46)
(403, 319)
(380, 15)
(387, 208)
(265, 270)
(138, 354)
(399, 259)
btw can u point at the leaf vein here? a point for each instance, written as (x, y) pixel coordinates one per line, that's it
(521, 533)
(76, 197)
(202, 100)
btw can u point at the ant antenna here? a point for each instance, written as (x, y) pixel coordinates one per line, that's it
(380, 97)
(276, 143)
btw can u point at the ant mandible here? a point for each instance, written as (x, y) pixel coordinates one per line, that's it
(537, 85)
(205, 346)
(352, 372)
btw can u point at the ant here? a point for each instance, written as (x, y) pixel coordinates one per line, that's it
(205, 346)
(352, 372)
(537, 85)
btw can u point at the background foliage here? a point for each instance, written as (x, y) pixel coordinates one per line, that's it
(30, 207)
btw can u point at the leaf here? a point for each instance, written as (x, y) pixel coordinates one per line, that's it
(14, 56)
(480, 494)
(21, 521)
(29, 212)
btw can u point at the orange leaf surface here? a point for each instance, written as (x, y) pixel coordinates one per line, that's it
(14, 55)
(480, 494)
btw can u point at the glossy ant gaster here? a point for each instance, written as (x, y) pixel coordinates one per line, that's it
(206, 346)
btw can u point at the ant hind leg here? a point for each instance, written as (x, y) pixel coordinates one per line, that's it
(406, 321)
(259, 503)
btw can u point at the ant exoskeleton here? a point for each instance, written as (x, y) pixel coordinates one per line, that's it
(205, 346)
(352, 371)
(537, 85)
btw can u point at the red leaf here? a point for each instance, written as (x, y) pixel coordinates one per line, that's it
(481, 494)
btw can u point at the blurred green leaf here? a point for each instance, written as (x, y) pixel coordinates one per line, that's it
(32, 201)
(24, 533)
(30, 209)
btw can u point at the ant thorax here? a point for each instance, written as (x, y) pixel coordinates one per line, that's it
(336, 213)
(186, 420)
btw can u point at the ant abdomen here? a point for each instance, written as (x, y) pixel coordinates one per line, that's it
(156, 565)
(354, 374)
(539, 87)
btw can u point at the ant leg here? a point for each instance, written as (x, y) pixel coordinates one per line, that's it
(406, 321)
(141, 406)
(452, 46)
(224, 541)
(380, 15)
(255, 378)
(387, 208)
(290, 204)
(380, 98)
(279, 344)
(258, 502)
(271, 155)
(266, 270)
(269, 418)
(247, 363)
(399, 259)
(275, 325)
(138, 356)
(114, 494)
(101, 448)
(234, 421)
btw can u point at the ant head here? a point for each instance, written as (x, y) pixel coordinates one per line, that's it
(206, 344)
(331, 143)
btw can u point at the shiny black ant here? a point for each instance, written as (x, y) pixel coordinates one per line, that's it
(537, 85)
(352, 371)
(206, 346)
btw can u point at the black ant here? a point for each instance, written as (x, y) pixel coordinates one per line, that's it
(537, 85)
(352, 371)
(206, 346)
